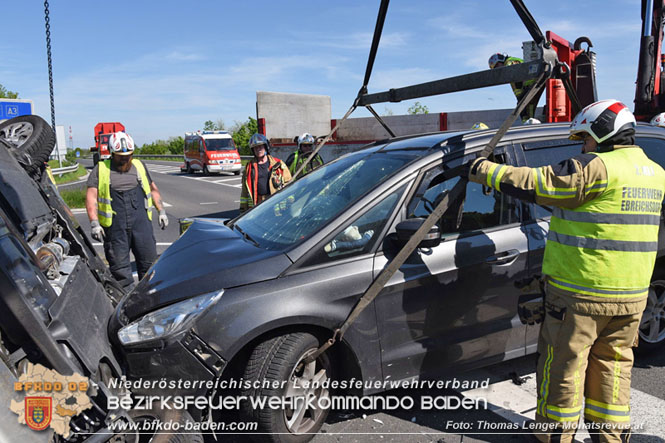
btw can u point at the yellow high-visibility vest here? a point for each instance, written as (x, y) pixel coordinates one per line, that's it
(104, 209)
(607, 247)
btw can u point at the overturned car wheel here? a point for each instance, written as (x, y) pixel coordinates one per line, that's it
(277, 363)
(31, 140)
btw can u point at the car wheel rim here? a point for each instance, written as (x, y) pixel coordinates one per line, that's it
(652, 325)
(17, 133)
(305, 389)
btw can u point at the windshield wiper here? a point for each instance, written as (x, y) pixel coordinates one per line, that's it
(246, 235)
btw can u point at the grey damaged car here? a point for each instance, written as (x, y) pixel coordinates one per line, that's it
(250, 298)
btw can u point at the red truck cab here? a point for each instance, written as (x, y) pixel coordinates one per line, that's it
(102, 133)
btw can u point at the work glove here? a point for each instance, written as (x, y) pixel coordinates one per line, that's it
(466, 167)
(163, 219)
(96, 230)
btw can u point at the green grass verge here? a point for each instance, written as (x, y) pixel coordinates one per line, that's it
(74, 198)
(70, 176)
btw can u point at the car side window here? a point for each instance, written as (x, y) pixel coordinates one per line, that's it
(483, 208)
(654, 148)
(543, 153)
(360, 235)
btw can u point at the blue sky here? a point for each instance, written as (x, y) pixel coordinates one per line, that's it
(164, 67)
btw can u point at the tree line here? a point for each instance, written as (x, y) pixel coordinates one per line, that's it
(240, 131)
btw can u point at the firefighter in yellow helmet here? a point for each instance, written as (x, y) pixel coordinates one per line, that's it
(499, 60)
(479, 126)
(599, 257)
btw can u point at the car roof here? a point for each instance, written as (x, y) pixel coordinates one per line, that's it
(458, 140)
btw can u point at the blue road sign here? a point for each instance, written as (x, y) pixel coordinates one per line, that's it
(13, 108)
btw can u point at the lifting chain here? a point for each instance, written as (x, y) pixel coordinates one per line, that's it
(50, 65)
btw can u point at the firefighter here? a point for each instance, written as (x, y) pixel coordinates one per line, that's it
(119, 204)
(479, 126)
(519, 88)
(599, 257)
(304, 151)
(263, 175)
(658, 120)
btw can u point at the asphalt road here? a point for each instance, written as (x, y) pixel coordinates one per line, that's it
(187, 195)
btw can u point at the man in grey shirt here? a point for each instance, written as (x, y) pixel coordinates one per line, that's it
(118, 202)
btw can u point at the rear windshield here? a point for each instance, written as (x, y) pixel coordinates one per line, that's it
(219, 144)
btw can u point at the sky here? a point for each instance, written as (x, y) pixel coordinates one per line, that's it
(165, 67)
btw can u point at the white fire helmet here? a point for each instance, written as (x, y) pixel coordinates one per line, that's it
(659, 120)
(121, 144)
(602, 120)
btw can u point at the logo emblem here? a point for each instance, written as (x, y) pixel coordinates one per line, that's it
(38, 412)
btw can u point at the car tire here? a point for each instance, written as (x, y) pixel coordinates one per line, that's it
(162, 415)
(95, 159)
(205, 170)
(652, 324)
(276, 361)
(31, 139)
(236, 172)
(188, 168)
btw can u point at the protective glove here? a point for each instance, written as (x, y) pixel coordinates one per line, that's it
(163, 219)
(466, 167)
(96, 230)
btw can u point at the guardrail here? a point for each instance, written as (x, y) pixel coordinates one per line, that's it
(169, 156)
(65, 170)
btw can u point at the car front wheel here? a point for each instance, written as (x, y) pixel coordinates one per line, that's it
(277, 369)
(652, 325)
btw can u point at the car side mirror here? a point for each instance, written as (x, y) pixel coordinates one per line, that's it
(405, 230)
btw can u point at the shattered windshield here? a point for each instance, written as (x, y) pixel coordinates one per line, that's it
(302, 208)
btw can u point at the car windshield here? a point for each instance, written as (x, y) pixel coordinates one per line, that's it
(219, 144)
(305, 206)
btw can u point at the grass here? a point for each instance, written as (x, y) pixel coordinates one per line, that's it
(70, 176)
(74, 198)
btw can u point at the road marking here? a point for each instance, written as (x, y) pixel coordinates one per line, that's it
(226, 179)
(166, 205)
(157, 244)
(517, 403)
(209, 203)
(78, 210)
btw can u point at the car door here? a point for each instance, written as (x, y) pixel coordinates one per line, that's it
(334, 274)
(454, 304)
(537, 217)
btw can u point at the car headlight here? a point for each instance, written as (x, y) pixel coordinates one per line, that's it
(167, 321)
(212, 162)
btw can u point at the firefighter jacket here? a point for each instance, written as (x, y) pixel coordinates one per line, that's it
(519, 88)
(603, 237)
(104, 210)
(279, 176)
(298, 158)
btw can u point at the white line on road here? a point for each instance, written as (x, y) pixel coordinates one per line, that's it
(209, 203)
(222, 180)
(158, 244)
(517, 403)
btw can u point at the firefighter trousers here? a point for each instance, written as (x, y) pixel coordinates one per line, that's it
(584, 368)
(130, 230)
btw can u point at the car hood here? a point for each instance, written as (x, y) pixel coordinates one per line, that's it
(207, 257)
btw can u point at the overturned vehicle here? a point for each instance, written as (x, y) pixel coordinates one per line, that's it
(57, 296)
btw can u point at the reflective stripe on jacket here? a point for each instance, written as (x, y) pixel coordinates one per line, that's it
(298, 160)
(604, 233)
(607, 247)
(279, 175)
(104, 210)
